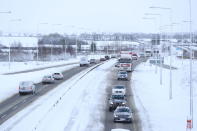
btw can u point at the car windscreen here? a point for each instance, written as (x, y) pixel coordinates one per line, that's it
(123, 110)
(83, 59)
(26, 83)
(119, 87)
(119, 97)
(124, 60)
(47, 77)
(123, 72)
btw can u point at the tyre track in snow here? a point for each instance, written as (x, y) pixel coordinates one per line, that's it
(16, 103)
(109, 123)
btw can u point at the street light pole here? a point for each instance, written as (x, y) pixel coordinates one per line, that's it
(154, 14)
(191, 87)
(171, 28)
(37, 48)
(7, 12)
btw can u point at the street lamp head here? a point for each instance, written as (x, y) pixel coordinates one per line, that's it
(5, 12)
(15, 20)
(151, 14)
(186, 21)
(148, 18)
(44, 23)
(158, 7)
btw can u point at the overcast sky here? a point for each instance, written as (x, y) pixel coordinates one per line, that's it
(93, 15)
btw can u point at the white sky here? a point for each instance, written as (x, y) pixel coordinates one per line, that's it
(92, 15)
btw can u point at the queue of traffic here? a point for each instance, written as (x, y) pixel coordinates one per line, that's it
(28, 87)
(118, 103)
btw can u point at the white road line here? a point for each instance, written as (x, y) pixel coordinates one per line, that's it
(3, 116)
(14, 108)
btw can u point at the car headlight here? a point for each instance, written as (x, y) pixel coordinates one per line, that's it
(115, 115)
(129, 116)
(111, 102)
(123, 103)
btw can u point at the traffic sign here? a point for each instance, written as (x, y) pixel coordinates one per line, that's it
(189, 124)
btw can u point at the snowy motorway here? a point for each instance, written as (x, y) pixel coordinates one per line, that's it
(78, 103)
(16, 103)
(109, 123)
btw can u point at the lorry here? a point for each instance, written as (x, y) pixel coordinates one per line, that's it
(125, 61)
(148, 52)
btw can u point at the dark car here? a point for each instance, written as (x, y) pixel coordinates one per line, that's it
(122, 75)
(107, 57)
(116, 100)
(123, 114)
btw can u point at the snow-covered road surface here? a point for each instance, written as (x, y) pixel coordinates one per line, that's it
(80, 108)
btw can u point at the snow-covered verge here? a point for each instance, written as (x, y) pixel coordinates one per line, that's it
(157, 111)
(10, 82)
(77, 104)
(7, 67)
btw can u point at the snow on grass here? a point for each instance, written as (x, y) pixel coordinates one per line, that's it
(157, 111)
(81, 106)
(10, 83)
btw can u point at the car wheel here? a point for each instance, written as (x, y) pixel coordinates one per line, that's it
(20, 94)
(115, 120)
(110, 109)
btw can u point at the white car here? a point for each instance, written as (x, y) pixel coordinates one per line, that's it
(84, 61)
(123, 114)
(134, 57)
(48, 79)
(122, 75)
(58, 76)
(119, 89)
(26, 87)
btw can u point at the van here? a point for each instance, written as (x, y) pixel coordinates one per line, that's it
(84, 62)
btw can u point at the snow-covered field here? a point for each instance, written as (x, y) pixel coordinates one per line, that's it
(157, 111)
(22, 66)
(81, 106)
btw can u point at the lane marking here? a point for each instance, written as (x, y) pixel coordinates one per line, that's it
(14, 107)
(4, 116)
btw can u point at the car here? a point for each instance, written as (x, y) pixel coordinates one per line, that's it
(117, 64)
(48, 79)
(92, 61)
(113, 56)
(116, 100)
(119, 89)
(102, 59)
(123, 114)
(134, 57)
(142, 55)
(122, 75)
(84, 62)
(107, 57)
(26, 87)
(58, 76)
